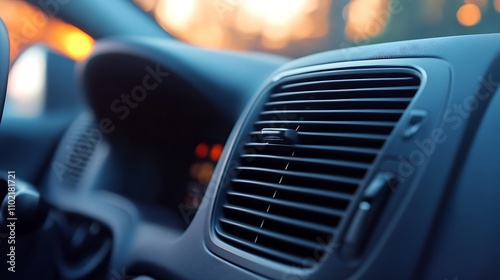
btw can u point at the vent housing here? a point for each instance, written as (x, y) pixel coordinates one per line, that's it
(286, 201)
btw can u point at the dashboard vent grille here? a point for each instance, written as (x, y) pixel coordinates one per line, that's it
(287, 199)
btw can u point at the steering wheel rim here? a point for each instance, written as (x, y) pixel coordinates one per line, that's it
(4, 64)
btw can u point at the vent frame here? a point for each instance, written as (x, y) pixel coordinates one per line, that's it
(263, 266)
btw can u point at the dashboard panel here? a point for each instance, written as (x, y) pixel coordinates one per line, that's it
(202, 112)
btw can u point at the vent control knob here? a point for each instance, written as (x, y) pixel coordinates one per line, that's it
(368, 211)
(278, 136)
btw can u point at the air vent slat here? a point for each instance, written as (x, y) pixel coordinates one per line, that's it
(295, 189)
(380, 72)
(284, 220)
(338, 179)
(353, 153)
(356, 140)
(347, 73)
(324, 125)
(333, 163)
(375, 127)
(333, 115)
(278, 236)
(279, 123)
(336, 135)
(288, 204)
(382, 92)
(305, 156)
(273, 254)
(331, 103)
(348, 83)
(330, 112)
(346, 135)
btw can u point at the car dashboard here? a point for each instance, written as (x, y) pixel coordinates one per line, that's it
(371, 162)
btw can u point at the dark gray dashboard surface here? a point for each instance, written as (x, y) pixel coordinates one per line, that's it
(151, 249)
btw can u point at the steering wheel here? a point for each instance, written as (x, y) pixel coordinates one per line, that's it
(29, 205)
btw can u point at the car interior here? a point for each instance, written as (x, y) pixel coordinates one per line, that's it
(156, 157)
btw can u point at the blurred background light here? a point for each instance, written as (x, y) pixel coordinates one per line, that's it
(366, 18)
(174, 13)
(147, 5)
(469, 14)
(289, 27)
(27, 25)
(26, 86)
(77, 44)
(497, 5)
(292, 28)
(299, 27)
(216, 152)
(241, 24)
(201, 150)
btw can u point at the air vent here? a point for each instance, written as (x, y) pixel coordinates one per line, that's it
(77, 148)
(305, 158)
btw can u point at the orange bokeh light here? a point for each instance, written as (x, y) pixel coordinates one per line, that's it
(497, 5)
(366, 18)
(77, 44)
(146, 5)
(469, 14)
(27, 25)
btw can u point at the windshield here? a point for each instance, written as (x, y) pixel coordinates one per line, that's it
(300, 27)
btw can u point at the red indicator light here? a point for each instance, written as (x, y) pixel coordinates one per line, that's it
(201, 150)
(216, 152)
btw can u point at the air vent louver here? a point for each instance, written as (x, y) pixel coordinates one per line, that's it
(287, 200)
